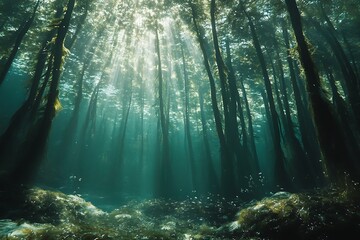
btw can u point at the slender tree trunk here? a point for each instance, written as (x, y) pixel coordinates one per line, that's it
(35, 146)
(142, 110)
(280, 172)
(351, 83)
(350, 51)
(212, 179)
(342, 110)
(351, 72)
(79, 27)
(229, 107)
(69, 136)
(68, 141)
(165, 174)
(267, 113)
(20, 121)
(187, 122)
(280, 107)
(85, 141)
(123, 129)
(247, 166)
(24, 28)
(250, 123)
(329, 131)
(299, 159)
(306, 127)
(224, 152)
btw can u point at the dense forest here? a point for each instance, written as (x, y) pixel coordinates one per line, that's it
(159, 96)
(159, 99)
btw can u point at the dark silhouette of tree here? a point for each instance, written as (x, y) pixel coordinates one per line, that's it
(331, 137)
(281, 175)
(31, 151)
(24, 28)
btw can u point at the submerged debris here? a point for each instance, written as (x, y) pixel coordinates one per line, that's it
(313, 215)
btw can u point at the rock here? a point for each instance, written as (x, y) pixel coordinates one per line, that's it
(311, 215)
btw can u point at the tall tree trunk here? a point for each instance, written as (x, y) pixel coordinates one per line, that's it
(281, 177)
(24, 28)
(247, 166)
(224, 152)
(351, 83)
(68, 140)
(85, 141)
(79, 27)
(187, 122)
(350, 51)
(127, 98)
(280, 107)
(329, 131)
(212, 179)
(142, 110)
(165, 175)
(86, 130)
(34, 148)
(20, 121)
(353, 135)
(229, 107)
(299, 162)
(351, 72)
(308, 137)
(69, 134)
(250, 123)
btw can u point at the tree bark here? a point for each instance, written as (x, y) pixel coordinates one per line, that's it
(165, 175)
(212, 179)
(35, 145)
(229, 107)
(247, 165)
(187, 122)
(306, 127)
(24, 28)
(250, 123)
(351, 83)
(281, 177)
(330, 135)
(224, 152)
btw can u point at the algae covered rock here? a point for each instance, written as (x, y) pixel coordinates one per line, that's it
(46, 214)
(314, 215)
(44, 206)
(327, 214)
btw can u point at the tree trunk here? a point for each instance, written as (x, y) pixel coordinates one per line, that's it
(165, 175)
(306, 127)
(212, 179)
(350, 51)
(187, 123)
(250, 124)
(224, 152)
(229, 106)
(342, 110)
(299, 162)
(351, 82)
(281, 177)
(24, 28)
(79, 27)
(329, 131)
(246, 164)
(35, 145)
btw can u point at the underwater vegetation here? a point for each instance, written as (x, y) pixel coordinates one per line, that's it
(323, 214)
(180, 119)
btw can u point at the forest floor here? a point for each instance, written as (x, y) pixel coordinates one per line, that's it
(315, 215)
